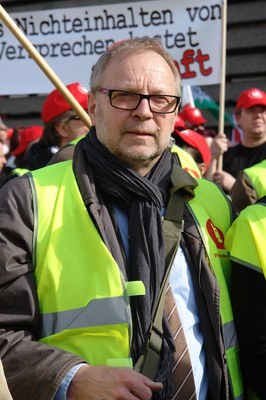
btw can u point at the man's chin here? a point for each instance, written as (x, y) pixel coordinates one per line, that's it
(141, 158)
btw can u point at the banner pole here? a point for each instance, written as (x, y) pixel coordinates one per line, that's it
(8, 21)
(223, 79)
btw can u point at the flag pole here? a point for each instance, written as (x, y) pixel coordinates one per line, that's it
(223, 79)
(8, 21)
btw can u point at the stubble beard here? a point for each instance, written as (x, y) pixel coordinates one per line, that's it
(137, 159)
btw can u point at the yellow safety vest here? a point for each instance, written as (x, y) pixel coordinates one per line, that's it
(245, 245)
(84, 305)
(88, 313)
(187, 161)
(257, 177)
(244, 240)
(212, 223)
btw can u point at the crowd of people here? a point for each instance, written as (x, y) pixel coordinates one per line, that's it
(130, 266)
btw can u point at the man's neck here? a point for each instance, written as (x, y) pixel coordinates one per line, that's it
(253, 142)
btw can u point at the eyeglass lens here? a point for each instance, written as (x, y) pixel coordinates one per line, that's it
(130, 101)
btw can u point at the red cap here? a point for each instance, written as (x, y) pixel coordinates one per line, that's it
(197, 141)
(179, 123)
(55, 104)
(10, 132)
(26, 136)
(251, 97)
(192, 115)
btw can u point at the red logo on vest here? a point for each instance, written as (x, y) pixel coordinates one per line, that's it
(192, 172)
(216, 234)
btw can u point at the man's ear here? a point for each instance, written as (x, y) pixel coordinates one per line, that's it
(92, 107)
(203, 168)
(237, 116)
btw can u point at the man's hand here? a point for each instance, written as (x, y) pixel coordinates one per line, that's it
(224, 179)
(111, 383)
(219, 145)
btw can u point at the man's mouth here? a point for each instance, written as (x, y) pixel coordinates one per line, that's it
(140, 133)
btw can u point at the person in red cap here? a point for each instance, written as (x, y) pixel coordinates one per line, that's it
(62, 125)
(25, 137)
(179, 123)
(22, 138)
(218, 143)
(196, 145)
(193, 118)
(250, 115)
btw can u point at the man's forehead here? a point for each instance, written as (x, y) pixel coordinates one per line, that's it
(136, 67)
(257, 107)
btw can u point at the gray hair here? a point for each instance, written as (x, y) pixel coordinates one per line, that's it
(131, 46)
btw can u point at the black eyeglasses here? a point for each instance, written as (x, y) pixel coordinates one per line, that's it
(158, 103)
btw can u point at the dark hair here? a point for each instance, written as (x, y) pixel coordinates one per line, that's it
(14, 140)
(194, 152)
(50, 135)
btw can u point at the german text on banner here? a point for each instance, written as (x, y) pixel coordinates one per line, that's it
(72, 39)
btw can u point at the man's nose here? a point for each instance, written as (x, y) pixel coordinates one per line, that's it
(143, 108)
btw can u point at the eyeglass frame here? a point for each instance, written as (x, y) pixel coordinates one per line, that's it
(73, 118)
(109, 92)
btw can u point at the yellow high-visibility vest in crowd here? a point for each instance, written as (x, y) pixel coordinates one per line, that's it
(257, 177)
(82, 294)
(83, 297)
(245, 242)
(187, 161)
(213, 223)
(248, 233)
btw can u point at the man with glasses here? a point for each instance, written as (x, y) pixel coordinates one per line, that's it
(80, 282)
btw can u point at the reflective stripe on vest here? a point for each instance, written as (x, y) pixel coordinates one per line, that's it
(257, 176)
(108, 311)
(244, 234)
(213, 219)
(83, 298)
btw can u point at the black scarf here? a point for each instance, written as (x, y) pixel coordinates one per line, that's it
(143, 199)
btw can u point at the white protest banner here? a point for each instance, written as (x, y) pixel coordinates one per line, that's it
(72, 39)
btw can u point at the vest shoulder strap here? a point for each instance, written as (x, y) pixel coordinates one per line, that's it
(182, 190)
